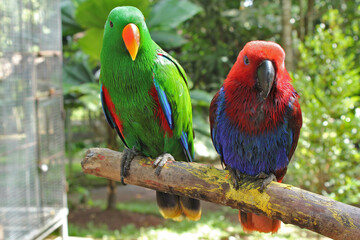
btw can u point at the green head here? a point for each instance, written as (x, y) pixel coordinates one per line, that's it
(125, 32)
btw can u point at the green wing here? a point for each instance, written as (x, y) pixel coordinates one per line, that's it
(173, 94)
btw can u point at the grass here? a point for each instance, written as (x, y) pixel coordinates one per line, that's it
(212, 225)
(139, 207)
(93, 231)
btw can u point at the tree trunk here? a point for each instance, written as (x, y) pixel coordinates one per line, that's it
(111, 186)
(310, 18)
(68, 137)
(302, 21)
(287, 34)
(111, 199)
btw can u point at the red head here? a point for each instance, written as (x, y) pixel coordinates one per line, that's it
(258, 66)
(257, 80)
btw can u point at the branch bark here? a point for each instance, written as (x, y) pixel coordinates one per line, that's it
(279, 201)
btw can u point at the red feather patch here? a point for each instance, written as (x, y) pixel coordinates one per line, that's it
(253, 222)
(242, 104)
(112, 110)
(158, 112)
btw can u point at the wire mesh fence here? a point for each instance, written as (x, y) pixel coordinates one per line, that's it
(32, 181)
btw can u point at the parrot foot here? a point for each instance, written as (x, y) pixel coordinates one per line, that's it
(127, 157)
(161, 160)
(236, 176)
(266, 179)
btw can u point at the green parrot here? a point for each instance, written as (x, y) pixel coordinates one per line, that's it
(145, 98)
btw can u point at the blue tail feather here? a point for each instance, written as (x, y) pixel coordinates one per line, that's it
(184, 143)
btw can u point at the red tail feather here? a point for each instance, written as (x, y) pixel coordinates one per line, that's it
(252, 222)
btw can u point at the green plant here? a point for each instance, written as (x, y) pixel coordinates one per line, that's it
(327, 160)
(218, 33)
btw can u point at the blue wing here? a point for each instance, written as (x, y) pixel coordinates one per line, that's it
(164, 103)
(217, 104)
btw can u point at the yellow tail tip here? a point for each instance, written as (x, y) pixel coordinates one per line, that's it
(193, 215)
(172, 213)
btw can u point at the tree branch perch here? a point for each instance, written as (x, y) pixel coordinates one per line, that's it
(279, 201)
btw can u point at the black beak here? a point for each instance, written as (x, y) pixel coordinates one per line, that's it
(265, 78)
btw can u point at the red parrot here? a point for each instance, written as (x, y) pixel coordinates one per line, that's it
(255, 121)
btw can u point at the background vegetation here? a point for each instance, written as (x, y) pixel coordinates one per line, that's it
(321, 40)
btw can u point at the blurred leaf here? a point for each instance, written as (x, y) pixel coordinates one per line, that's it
(76, 71)
(199, 123)
(69, 25)
(202, 142)
(74, 74)
(86, 88)
(201, 98)
(91, 43)
(167, 39)
(91, 102)
(93, 13)
(84, 95)
(168, 14)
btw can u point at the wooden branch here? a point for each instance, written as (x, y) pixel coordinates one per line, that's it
(279, 201)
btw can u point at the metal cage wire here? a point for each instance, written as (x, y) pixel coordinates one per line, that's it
(32, 180)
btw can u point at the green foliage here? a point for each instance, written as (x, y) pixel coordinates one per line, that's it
(91, 42)
(80, 185)
(78, 178)
(219, 32)
(69, 25)
(173, 16)
(352, 26)
(93, 14)
(350, 13)
(76, 72)
(80, 87)
(98, 232)
(201, 100)
(328, 158)
(164, 19)
(84, 95)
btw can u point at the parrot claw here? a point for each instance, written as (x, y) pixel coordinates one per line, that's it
(236, 176)
(266, 179)
(127, 157)
(160, 161)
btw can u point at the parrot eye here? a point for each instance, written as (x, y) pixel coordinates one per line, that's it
(111, 24)
(246, 60)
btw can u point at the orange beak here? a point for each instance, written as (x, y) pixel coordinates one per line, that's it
(131, 36)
